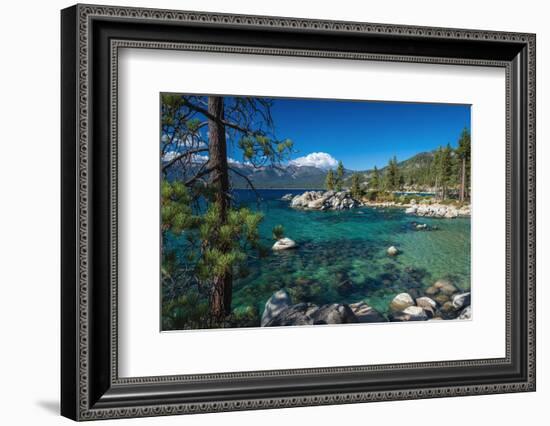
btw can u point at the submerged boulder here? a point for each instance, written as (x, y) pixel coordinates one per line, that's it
(392, 251)
(445, 287)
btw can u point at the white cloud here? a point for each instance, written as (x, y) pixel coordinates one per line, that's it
(195, 158)
(321, 160)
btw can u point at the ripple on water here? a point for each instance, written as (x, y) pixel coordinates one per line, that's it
(342, 257)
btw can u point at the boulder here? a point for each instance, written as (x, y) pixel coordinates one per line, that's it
(421, 226)
(431, 291)
(335, 313)
(445, 287)
(279, 301)
(328, 200)
(429, 305)
(461, 300)
(437, 210)
(392, 251)
(441, 298)
(464, 211)
(412, 313)
(466, 313)
(401, 301)
(448, 311)
(426, 302)
(316, 204)
(300, 314)
(287, 197)
(284, 244)
(365, 313)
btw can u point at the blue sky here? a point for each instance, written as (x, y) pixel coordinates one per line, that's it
(364, 134)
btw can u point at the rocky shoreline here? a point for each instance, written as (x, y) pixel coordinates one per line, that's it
(343, 200)
(441, 301)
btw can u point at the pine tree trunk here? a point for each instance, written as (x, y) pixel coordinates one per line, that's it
(220, 300)
(463, 180)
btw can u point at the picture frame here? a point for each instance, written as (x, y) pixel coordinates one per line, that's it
(90, 385)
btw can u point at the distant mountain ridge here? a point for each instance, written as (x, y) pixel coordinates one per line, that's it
(303, 177)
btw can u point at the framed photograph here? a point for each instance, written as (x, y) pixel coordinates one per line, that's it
(263, 212)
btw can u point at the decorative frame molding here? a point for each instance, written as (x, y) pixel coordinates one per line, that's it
(91, 388)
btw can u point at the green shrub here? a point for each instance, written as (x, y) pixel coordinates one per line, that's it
(278, 232)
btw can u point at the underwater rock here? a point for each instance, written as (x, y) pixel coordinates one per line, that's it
(335, 313)
(421, 226)
(392, 251)
(278, 302)
(461, 300)
(284, 244)
(401, 301)
(441, 298)
(365, 313)
(299, 314)
(412, 313)
(445, 287)
(345, 288)
(431, 291)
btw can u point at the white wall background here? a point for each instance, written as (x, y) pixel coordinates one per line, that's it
(29, 213)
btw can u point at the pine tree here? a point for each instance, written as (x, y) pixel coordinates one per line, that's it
(375, 179)
(198, 126)
(339, 176)
(436, 168)
(401, 182)
(446, 169)
(392, 174)
(329, 180)
(464, 154)
(355, 186)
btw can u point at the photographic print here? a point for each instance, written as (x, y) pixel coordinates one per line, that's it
(289, 212)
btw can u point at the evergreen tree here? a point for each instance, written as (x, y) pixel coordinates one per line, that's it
(464, 154)
(339, 176)
(375, 179)
(436, 168)
(195, 130)
(392, 174)
(355, 186)
(401, 182)
(329, 180)
(446, 169)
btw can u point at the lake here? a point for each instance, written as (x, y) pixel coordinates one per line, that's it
(341, 255)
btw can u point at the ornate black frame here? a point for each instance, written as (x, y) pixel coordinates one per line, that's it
(91, 37)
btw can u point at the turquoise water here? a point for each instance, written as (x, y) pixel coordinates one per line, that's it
(341, 255)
